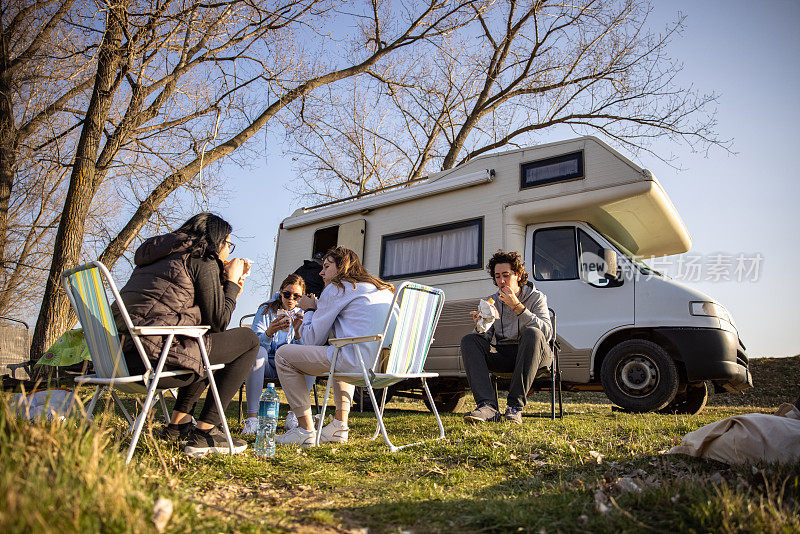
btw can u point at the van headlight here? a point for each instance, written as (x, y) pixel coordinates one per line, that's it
(710, 309)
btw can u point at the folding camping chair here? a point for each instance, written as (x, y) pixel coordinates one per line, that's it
(417, 316)
(546, 377)
(84, 287)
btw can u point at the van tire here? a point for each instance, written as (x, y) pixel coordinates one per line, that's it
(689, 402)
(639, 376)
(359, 391)
(449, 402)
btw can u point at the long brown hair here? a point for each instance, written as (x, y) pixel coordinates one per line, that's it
(350, 269)
(274, 305)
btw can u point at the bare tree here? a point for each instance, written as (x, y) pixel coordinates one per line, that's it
(521, 67)
(44, 70)
(179, 85)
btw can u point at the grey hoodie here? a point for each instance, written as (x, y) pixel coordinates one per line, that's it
(506, 328)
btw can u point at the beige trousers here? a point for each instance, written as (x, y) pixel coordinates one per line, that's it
(293, 362)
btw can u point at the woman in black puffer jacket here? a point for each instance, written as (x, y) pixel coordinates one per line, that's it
(185, 278)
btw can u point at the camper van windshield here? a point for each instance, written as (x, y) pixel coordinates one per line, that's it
(643, 267)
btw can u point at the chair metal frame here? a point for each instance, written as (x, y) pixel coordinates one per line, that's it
(554, 370)
(105, 348)
(369, 378)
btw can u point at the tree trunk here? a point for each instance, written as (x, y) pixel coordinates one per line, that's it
(55, 315)
(8, 148)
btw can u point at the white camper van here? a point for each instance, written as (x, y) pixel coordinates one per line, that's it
(581, 214)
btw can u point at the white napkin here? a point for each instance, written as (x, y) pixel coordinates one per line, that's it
(487, 313)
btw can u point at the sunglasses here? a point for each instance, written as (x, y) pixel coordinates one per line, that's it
(289, 295)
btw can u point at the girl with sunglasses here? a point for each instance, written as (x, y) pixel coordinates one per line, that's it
(277, 322)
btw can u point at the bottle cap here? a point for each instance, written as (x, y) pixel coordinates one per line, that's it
(271, 385)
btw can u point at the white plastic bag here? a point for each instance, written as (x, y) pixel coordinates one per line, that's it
(50, 403)
(748, 438)
(487, 313)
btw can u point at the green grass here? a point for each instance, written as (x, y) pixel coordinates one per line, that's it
(543, 476)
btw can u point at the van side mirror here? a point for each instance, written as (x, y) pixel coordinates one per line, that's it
(610, 259)
(601, 272)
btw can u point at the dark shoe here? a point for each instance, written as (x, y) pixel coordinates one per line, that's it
(482, 414)
(202, 442)
(513, 414)
(176, 433)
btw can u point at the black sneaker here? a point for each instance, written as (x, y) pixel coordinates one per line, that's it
(176, 433)
(482, 414)
(513, 414)
(202, 442)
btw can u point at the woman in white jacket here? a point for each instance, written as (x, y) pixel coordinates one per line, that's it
(353, 303)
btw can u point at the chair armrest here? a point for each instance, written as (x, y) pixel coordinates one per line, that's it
(342, 341)
(191, 331)
(248, 316)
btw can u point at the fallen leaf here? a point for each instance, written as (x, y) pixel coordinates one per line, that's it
(162, 511)
(628, 485)
(597, 456)
(600, 502)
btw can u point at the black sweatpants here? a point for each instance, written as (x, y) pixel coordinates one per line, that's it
(236, 348)
(523, 359)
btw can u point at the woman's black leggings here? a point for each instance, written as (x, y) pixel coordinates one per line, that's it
(237, 349)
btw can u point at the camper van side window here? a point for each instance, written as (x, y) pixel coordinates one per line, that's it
(554, 254)
(557, 169)
(439, 249)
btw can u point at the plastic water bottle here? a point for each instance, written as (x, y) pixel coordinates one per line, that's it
(267, 422)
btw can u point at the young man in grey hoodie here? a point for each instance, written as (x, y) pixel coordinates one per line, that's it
(520, 336)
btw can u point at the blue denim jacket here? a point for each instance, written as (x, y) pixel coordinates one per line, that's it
(260, 323)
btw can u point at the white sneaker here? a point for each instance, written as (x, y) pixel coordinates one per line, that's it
(335, 432)
(291, 421)
(297, 436)
(250, 426)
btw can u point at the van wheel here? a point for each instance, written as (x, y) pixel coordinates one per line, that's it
(639, 376)
(449, 394)
(362, 392)
(689, 402)
(446, 402)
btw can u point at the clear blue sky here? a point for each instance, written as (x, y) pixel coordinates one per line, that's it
(743, 204)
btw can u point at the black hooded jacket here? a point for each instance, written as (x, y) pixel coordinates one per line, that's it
(170, 287)
(309, 272)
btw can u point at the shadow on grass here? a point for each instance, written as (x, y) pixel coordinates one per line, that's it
(680, 494)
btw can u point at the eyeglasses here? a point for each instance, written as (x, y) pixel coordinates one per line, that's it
(231, 247)
(289, 295)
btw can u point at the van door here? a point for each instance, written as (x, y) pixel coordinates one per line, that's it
(562, 259)
(351, 235)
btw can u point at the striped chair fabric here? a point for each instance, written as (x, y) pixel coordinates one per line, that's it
(94, 313)
(413, 333)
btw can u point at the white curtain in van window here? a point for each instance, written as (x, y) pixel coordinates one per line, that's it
(449, 249)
